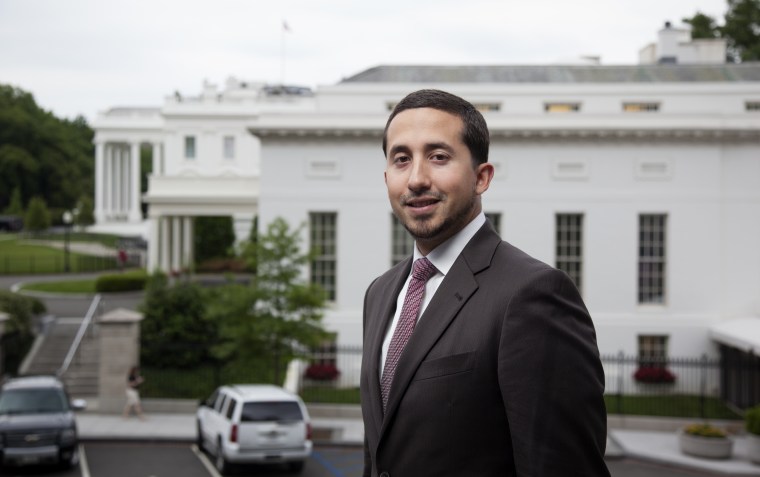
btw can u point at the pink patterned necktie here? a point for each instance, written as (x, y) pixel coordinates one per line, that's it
(421, 272)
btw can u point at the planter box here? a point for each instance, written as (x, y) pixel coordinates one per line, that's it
(706, 447)
(753, 448)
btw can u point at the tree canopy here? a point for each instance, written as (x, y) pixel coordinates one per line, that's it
(42, 155)
(741, 29)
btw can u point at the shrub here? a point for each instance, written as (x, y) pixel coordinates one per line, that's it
(121, 282)
(752, 420)
(705, 430)
(20, 309)
(651, 374)
(322, 372)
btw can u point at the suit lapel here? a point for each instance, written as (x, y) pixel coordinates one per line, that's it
(380, 321)
(454, 291)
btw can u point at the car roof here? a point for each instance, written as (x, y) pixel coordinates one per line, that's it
(33, 382)
(261, 392)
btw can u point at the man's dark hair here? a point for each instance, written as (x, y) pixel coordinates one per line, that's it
(475, 133)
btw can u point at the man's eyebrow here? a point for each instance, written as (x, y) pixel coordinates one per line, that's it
(428, 147)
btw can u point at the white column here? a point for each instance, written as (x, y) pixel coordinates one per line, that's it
(176, 243)
(154, 246)
(99, 182)
(124, 182)
(110, 195)
(187, 246)
(135, 212)
(165, 263)
(157, 162)
(116, 179)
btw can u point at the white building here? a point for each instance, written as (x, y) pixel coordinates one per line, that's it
(642, 181)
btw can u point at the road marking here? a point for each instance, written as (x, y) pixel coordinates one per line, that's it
(326, 464)
(204, 460)
(84, 468)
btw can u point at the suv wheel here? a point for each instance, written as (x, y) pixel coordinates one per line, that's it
(221, 464)
(199, 437)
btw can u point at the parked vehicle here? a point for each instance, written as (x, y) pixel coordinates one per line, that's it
(247, 424)
(37, 424)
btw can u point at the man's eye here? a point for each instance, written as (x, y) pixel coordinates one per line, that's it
(439, 157)
(401, 159)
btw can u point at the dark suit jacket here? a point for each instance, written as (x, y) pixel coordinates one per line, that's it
(501, 376)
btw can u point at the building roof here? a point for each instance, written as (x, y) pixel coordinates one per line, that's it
(741, 333)
(729, 72)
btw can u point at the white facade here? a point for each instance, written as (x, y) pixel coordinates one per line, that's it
(610, 143)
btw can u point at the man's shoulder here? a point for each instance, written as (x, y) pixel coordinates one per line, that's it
(517, 260)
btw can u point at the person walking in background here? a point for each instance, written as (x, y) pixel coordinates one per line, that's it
(134, 380)
(478, 359)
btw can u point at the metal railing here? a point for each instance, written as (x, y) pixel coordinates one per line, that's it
(86, 322)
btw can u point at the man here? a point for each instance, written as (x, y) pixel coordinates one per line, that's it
(483, 361)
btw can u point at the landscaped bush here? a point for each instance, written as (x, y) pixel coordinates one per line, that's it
(705, 430)
(654, 375)
(121, 282)
(21, 309)
(752, 419)
(221, 265)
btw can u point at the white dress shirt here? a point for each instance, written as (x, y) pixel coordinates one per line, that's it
(442, 257)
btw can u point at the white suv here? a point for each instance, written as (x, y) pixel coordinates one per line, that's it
(246, 424)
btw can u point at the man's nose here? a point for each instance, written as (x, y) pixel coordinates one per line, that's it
(419, 175)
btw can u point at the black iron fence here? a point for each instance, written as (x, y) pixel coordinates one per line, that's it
(683, 387)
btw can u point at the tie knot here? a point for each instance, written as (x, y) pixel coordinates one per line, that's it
(423, 269)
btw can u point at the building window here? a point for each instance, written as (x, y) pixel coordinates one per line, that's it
(641, 107)
(562, 107)
(229, 147)
(752, 106)
(323, 233)
(487, 107)
(652, 258)
(653, 351)
(495, 219)
(189, 147)
(569, 246)
(402, 244)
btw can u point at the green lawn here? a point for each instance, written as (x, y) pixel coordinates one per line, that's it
(72, 286)
(674, 405)
(18, 258)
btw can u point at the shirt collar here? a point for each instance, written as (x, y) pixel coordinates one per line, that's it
(444, 255)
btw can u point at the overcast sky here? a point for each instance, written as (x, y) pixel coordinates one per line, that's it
(84, 56)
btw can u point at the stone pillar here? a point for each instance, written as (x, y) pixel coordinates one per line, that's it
(187, 247)
(124, 183)
(99, 182)
(135, 212)
(176, 244)
(164, 240)
(107, 186)
(241, 224)
(154, 244)
(119, 343)
(158, 162)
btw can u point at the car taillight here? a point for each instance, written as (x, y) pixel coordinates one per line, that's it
(234, 433)
(308, 431)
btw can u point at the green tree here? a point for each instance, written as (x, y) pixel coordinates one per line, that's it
(280, 312)
(703, 26)
(742, 30)
(214, 238)
(86, 214)
(43, 155)
(175, 332)
(16, 207)
(37, 216)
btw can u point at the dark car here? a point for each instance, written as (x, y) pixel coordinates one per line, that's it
(37, 424)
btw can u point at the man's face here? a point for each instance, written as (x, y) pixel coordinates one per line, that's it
(433, 186)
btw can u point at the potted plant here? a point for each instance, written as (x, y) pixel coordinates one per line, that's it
(752, 421)
(704, 440)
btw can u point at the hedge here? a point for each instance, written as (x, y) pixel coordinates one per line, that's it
(121, 282)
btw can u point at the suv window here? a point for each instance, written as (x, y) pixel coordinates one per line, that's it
(212, 399)
(231, 408)
(220, 403)
(16, 401)
(271, 411)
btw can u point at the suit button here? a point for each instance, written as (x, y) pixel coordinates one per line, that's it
(385, 474)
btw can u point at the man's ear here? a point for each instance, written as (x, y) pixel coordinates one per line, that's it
(483, 174)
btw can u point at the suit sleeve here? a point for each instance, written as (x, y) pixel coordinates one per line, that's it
(551, 380)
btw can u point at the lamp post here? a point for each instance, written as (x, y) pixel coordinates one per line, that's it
(67, 218)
